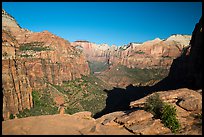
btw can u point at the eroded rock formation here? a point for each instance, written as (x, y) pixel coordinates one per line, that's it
(154, 53)
(31, 60)
(186, 69)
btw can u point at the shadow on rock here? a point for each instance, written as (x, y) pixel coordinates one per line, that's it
(118, 99)
(185, 72)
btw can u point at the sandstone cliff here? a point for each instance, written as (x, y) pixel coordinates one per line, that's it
(152, 54)
(31, 60)
(186, 70)
(15, 84)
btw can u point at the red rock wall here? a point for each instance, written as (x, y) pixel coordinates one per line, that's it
(15, 87)
(155, 53)
(25, 70)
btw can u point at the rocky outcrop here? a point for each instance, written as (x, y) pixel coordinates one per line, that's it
(66, 124)
(141, 123)
(54, 61)
(8, 21)
(188, 103)
(33, 60)
(181, 96)
(129, 122)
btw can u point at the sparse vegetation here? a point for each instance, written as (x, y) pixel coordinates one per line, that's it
(35, 46)
(163, 111)
(168, 117)
(71, 110)
(154, 105)
(11, 116)
(83, 94)
(139, 52)
(26, 55)
(142, 75)
(43, 105)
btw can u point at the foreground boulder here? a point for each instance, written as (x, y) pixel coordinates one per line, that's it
(188, 104)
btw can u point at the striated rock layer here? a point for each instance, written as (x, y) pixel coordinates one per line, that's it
(154, 53)
(31, 60)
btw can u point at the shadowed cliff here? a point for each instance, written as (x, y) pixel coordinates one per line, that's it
(185, 72)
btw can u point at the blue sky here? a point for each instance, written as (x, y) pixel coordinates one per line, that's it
(116, 23)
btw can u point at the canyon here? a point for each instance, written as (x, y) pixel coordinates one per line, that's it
(85, 88)
(150, 54)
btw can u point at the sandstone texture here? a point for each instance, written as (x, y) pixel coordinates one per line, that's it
(188, 103)
(59, 124)
(36, 60)
(130, 122)
(32, 60)
(153, 53)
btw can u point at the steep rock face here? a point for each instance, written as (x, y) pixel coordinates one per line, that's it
(31, 60)
(95, 52)
(195, 67)
(16, 87)
(54, 61)
(186, 70)
(154, 53)
(8, 46)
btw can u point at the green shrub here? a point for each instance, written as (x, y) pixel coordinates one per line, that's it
(11, 116)
(169, 117)
(71, 110)
(163, 111)
(153, 105)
